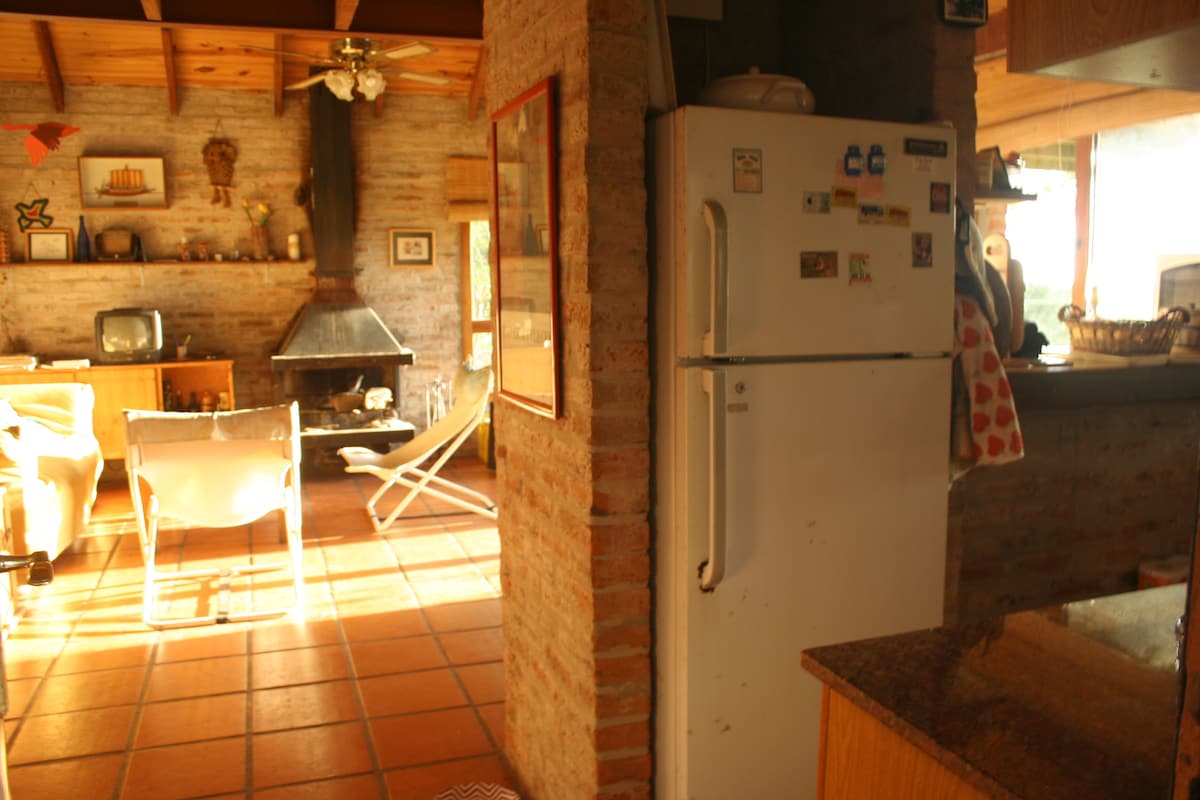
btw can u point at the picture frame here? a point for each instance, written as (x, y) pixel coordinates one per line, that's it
(525, 250)
(969, 13)
(410, 247)
(50, 244)
(118, 182)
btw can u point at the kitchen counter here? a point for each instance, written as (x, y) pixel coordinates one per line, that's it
(1082, 384)
(1076, 701)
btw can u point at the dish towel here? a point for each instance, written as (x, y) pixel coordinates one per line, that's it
(985, 431)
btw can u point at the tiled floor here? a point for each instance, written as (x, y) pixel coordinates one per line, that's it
(391, 687)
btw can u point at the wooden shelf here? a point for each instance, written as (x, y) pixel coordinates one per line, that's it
(1002, 196)
(151, 263)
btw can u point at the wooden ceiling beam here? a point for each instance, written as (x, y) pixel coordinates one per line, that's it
(45, 46)
(477, 84)
(277, 75)
(168, 45)
(343, 13)
(152, 9)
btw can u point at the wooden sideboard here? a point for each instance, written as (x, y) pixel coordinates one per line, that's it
(138, 386)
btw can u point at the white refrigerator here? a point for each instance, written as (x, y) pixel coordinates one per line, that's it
(803, 328)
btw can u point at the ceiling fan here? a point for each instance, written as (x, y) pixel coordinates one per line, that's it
(354, 63)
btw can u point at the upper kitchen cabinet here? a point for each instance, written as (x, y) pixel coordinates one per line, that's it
(1141, 44)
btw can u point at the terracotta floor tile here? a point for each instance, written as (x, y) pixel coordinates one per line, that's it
(410, 691)
(114, 687)
(310, 754)
(473, 647)
(361, 627)
(303, 665)
(74, 778)
(178, 679)
(424, 782)
(20, 692)
(303, 706)
(285, 634)
(186, 770)
(493, 718)
(209, 641)
(431, 736)
(26, 656)
(79, 733)
(385, 656)
(484, 682)
(191, 720)
(359, 787)
(464, 616)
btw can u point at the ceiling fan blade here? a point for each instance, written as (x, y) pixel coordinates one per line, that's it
(407, 51)
(422, 77)
(310, 81)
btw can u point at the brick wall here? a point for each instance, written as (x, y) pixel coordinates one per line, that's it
(238, 309)
(1100, 490)
(573, 492)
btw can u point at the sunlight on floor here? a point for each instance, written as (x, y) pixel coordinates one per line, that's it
(390, 687)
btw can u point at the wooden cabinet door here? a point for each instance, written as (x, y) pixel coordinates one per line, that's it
(117, 389)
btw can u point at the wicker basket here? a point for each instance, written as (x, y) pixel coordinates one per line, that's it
(1123, 337)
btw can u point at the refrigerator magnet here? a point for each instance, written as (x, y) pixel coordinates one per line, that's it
(747, 170)
(860, 269)
(818, 264)
(939, 198)
(816, 202)
(934, 148)
(876, 160)
(871, 214)
(845, 197)
(922, 249)
(900, 216)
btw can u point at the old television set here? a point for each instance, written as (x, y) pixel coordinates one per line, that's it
(128, 335)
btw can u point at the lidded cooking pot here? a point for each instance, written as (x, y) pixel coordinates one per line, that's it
(760, 91)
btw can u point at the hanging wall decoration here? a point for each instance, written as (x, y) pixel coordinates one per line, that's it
(33, 212)
(43, 137)
(219, 154)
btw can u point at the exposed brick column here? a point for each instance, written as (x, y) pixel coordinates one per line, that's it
(574, 492)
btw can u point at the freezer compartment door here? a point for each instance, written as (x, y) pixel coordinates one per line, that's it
(835, 506)
(790, 255)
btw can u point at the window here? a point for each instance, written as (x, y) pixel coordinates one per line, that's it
(477, 293)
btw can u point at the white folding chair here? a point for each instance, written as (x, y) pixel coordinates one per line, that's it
(215, 470)
(402, 466)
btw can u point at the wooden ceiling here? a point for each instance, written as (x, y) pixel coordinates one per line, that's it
(1016, 111)
(181, 44)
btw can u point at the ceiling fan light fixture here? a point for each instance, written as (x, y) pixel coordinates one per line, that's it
(341, 83)
(370, 83)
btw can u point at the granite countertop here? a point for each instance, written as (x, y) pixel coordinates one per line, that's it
(1077, 701)
(1082, 384)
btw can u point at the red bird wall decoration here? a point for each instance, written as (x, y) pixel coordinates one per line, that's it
(44, 137)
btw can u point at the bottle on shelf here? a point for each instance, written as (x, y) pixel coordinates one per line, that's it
(168, 396)
(83, 247)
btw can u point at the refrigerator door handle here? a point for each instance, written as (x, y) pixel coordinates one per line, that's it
(714, 342)
(712, 569)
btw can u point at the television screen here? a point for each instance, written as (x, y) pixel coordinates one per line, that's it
(129, 334)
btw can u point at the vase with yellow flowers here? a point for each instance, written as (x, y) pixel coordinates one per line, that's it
(258, 229)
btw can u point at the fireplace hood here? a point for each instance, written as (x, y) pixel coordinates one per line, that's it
(335, 328)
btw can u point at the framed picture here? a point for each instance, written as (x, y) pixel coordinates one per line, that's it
(121, 182)
(49, 244)
(972, 13)
(524, 245)
(990, 171)
(408, 247)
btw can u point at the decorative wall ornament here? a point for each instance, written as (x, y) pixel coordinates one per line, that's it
(219, 154)
(33, 212)
(43, 137)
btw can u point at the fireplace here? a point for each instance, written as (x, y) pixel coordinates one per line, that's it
(336, 343)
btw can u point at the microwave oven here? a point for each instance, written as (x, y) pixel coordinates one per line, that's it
(1178, 281)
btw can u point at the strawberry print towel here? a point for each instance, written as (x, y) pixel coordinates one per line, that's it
(986, 418)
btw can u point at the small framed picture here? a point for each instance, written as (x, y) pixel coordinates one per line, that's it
(49, 244)
(410, 248)
(115, 182)
(973, 13)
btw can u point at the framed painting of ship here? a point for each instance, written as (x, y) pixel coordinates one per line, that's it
(115, 182)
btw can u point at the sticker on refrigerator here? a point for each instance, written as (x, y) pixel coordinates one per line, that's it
(922, 249)
(871, 214)
(816, 202)
(860, 269)
(939, 198)
(926, 147)
(747, 170)
(845, 197)
(899, 216)
(818, 264)
(922, 164)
